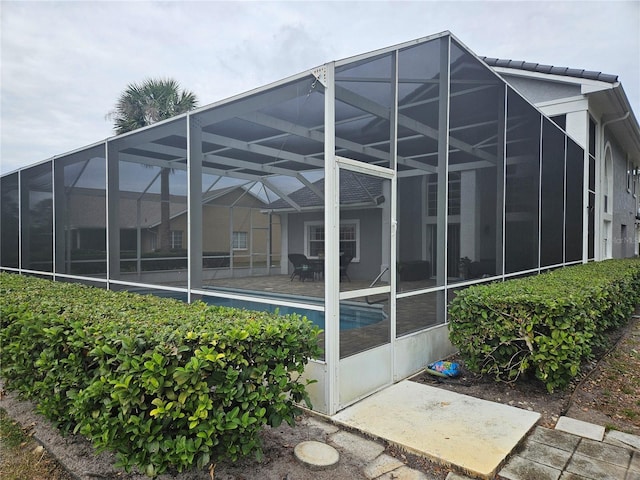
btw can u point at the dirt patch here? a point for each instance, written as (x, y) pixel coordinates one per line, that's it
(279, 463)
(23, 458)
(606, 392)
(610, 395)
(77, 454)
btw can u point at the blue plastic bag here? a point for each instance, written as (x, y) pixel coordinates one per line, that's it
(443, 369)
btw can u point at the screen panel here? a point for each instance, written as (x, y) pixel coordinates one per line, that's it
(552, 195)
(574, 202)
(37, 218)
(10, 221)
(522, 184)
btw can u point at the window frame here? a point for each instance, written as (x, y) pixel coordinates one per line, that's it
(307, 236)
(454, 198)
(236, 246)
(173, 236)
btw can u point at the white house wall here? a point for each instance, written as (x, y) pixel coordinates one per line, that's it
(624, 206)
(370, 241)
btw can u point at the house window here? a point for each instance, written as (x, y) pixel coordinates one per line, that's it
(349, 239)
(239, 241)
(454, 199)
(315, 243)
(176, 239)
(432, 199)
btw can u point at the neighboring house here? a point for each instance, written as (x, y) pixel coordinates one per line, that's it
(243, 236)
(593, 108)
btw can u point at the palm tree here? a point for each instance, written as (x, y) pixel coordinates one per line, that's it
(144, 104)
(149, 102)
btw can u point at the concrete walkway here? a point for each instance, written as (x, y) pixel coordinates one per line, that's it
(570, 452)
(486, 440)
(468, 433)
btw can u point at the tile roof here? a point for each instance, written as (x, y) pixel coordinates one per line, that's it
(354, 189)
(550, 69)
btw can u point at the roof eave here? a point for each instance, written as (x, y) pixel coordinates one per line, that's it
(586, 85)
(627, 128)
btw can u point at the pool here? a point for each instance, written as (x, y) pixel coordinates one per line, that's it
(353, 315)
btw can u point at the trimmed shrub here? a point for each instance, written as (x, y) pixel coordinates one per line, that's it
(545, 325)
(162, 383)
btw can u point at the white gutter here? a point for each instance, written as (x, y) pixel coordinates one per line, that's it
(614, 120)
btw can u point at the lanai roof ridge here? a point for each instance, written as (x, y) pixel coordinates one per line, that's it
(550, 69)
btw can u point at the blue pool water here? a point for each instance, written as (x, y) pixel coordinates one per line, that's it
(352, 314)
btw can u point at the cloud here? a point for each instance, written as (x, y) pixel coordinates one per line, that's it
(65, 63)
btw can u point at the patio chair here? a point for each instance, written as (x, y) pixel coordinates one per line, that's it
(345, 260)
(301, 267)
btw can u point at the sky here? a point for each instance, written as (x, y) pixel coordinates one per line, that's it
(64, 64)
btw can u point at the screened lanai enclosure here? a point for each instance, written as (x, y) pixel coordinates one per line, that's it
(362, 194)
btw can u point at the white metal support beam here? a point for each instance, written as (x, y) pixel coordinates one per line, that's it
(113, 212)
(177, 164)
(314, 134)
(265, 181)
(378, 110)
(268, 168)
(262, 150)
(254, 178)
(367, 169)
(194, 201)
(443, 166)
(332, 247)
(393, 210)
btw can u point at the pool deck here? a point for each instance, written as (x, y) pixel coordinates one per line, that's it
(413, 313)
(308, 287)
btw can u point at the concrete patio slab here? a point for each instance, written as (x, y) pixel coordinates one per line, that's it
(580, 428)
(555, 438)
(545, 454)
(520, 468)
(593, 469)
(471, 434)
(622, 439)
(605, 452)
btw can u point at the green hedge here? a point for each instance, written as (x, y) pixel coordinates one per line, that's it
(164, 384)
(545, 325)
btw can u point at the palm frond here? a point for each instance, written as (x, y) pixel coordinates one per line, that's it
(149, 102)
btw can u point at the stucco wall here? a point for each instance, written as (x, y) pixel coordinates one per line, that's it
(536, 91)
(624, 205)
(370, 239)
